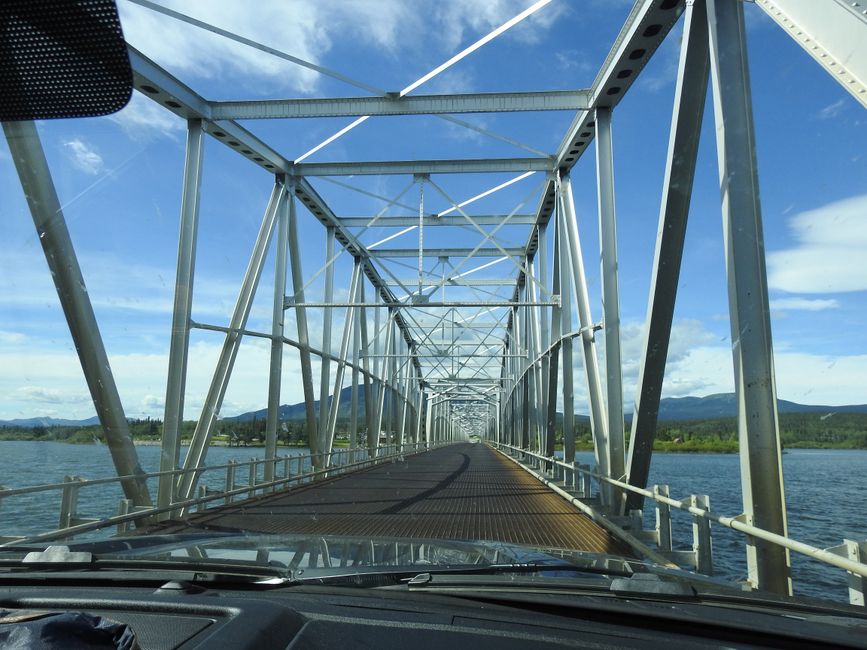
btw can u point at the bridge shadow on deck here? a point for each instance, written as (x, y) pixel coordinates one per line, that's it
(461, 492)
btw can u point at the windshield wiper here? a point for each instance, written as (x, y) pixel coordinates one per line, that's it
(60, 558)
(411, 577)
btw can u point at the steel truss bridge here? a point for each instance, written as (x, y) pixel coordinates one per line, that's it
(450, 356)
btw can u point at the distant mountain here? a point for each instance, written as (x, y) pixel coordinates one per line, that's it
(724, 405)
(296, 411)
(49, 422)
(721, 405)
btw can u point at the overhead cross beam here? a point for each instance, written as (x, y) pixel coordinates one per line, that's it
(388, 167)
(436, 220)
(444, 252)
(392, 104)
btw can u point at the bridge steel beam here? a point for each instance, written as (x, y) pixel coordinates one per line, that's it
(598, 412)
(353, 397)
(434, 220)
(176, 381)
(544, 339)
(460, 166)
(566, 342)
(278, 317)
(686, 120)
(220, 380)
(47, 214)
(269, 109)
(445, 252)
(348, 327)
(369, 393)
(301, 326)
(830, 32)
(327, 319)
(752, 349)
(610, 304)
(554, 357)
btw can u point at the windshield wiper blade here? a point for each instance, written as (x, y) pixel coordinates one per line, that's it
(526, 567)
(411, 576)
(60, 558)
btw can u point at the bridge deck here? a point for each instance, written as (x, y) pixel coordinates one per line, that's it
(460, 492)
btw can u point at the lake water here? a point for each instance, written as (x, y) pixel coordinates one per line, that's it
(824, 491)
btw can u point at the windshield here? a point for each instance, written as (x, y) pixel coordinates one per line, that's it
(449, 284)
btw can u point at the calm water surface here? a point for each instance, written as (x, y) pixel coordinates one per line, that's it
(824, 491)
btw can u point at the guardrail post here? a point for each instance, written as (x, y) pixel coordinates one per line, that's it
(69, 501)
(663, 519)
(585, 482)
(203, 492)
(857, 552)
(124, 507)
(230, 480)
(701, 540)
(286, 460)
(252, 482)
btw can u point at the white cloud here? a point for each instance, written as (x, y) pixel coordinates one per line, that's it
(574, 61)
(48, 395)
(144, 119)
(309, 30)
(83, 156)
(829, 253)
(55, 378)
(114, 284)
(803, 304)
(832, 110)
(12, 338)
(481, 16)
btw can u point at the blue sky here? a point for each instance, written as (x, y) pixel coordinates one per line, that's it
(119, 178)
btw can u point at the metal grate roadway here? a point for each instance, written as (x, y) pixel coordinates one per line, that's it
(464, 492)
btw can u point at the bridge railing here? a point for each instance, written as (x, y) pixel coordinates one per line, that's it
(578, 479)
(288, 471)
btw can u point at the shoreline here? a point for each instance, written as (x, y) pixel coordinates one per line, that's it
(225, 444)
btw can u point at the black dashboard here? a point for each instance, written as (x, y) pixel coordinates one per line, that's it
(181, 615)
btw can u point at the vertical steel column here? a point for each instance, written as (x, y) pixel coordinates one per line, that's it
(365, 363)
(752, 349)
(524, 373)
(341, 362)
(544, 342)
(353, 398)
(47, 214)
(568, 370)
(598, 414)
(378, 365)
(429, 422)
(417, 430)
(404, 384)
(219, 382)
(553, 356)
(610, 301)
(327, 317)
(534, 370)
(176, 382)
(301, 325)
(380, 380)
(392, 384)
(689, 98)
(277, 320)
